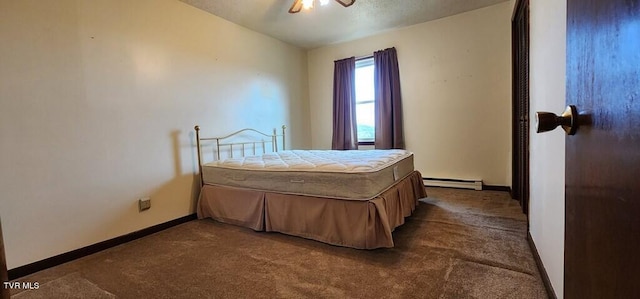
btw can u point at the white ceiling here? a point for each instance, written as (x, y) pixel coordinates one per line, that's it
(333, 23)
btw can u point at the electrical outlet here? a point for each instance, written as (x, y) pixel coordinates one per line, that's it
(144, 204)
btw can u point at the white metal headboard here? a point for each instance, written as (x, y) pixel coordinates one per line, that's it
(253, 145)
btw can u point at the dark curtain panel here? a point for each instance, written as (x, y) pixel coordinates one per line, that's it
(388, 103)
(344, 105)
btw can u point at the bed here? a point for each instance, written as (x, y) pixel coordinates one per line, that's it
(346, 198)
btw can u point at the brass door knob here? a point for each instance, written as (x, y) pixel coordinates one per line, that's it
(547, 121)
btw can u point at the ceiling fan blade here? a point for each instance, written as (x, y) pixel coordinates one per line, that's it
(346, 3)
(296, 7)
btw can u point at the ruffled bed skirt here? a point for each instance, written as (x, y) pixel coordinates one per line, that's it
(362, 224)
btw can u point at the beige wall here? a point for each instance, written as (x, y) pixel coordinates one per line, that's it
(98, 102)
(456, 87)
(547, 93)
(99, 98)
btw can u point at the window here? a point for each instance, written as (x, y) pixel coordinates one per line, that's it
(365, 117)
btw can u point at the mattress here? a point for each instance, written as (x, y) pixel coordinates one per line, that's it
(352, 175)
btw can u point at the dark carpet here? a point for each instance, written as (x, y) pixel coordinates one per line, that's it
(457, 244)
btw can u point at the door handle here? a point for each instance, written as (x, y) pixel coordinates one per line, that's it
(547, 121)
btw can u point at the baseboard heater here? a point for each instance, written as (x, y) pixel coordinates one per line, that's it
(453, 183)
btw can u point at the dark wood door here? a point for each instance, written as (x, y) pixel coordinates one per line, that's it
(4, 276)
(602, 233)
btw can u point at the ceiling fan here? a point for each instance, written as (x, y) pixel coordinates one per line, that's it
(298, 5)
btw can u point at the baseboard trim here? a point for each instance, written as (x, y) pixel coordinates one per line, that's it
(543, 272)
(496, 188)
(91, 249)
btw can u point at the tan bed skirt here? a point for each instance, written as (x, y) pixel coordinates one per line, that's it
(363, 224)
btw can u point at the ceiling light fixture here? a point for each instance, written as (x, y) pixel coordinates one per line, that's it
(307, 4)
(298, 5)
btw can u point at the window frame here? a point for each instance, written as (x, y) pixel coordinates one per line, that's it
(366, 61)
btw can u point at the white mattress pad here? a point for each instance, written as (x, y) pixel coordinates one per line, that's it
(351, 174)
(349, 161)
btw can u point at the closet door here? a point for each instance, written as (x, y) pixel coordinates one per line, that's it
(520, 102)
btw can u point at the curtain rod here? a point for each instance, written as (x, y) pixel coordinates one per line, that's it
(364, 57)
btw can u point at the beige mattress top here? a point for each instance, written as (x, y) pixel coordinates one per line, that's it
(349, 161)
(352, 174)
